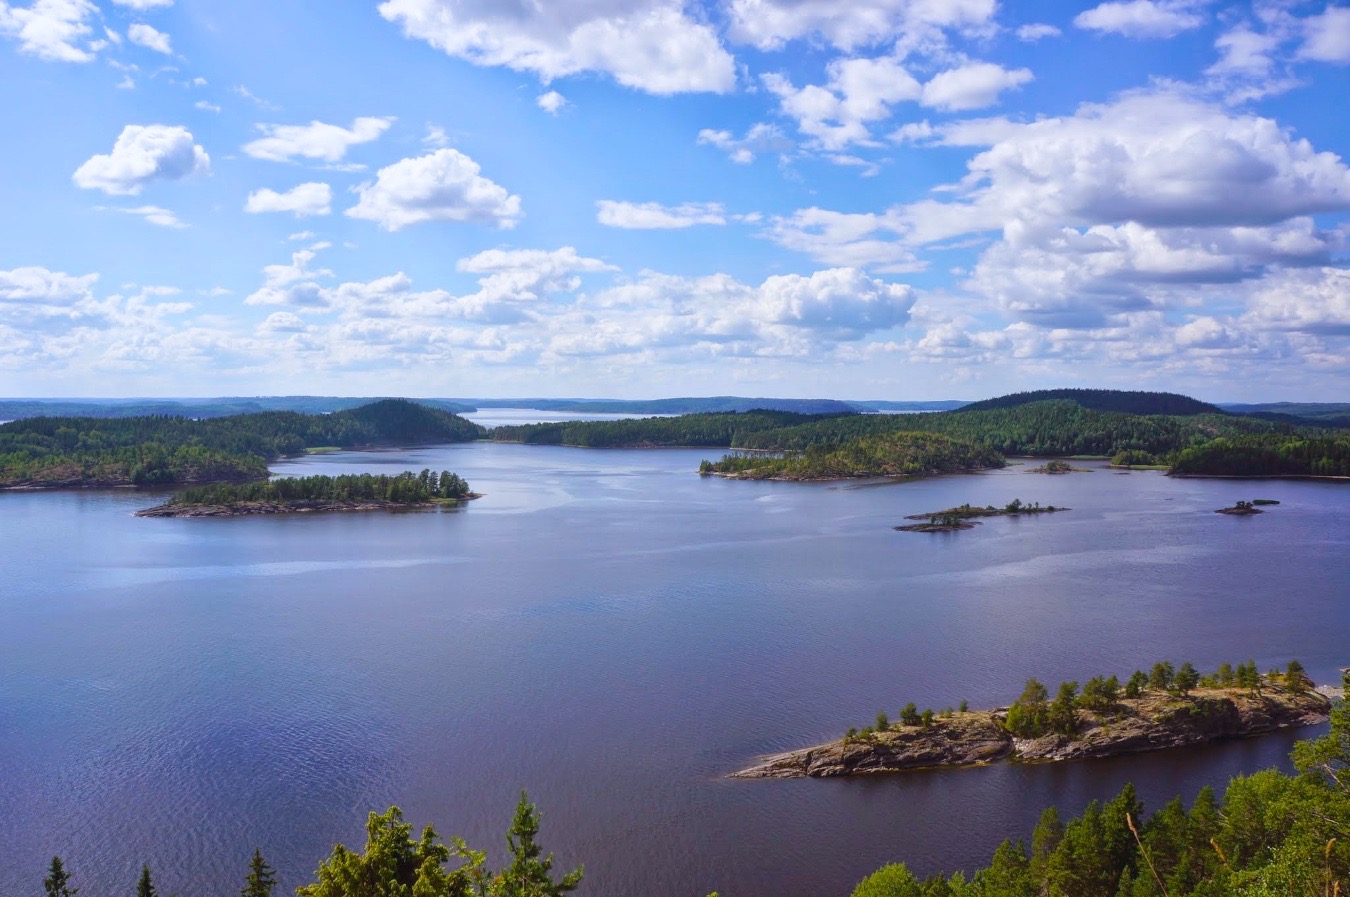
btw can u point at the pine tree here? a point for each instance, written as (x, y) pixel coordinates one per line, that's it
(57, 882)
(530, 874)
(1187, 678)
(145, 887)
(261, 879)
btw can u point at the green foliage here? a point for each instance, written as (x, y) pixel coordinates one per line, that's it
(57, 882)
(1101, 694)
(1327, 759)
(1133, 458)
(393, 864)
(1061, 716)
(402, 488)
(1295, 676)
(261, 877)
(1269, 454)
(145, 887)
(1137, 683)
(892, 454)
(883, 722)
(529, 873)
(909, 716)
(1027, 717)
(163, 450)
(1162, 675)
(894, 880)
(1187, 679)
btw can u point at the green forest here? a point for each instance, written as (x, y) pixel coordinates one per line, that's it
(1268, 455)
(402, 488)
(890, 454)
(165, 450)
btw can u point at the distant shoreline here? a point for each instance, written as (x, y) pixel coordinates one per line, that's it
(262, 508)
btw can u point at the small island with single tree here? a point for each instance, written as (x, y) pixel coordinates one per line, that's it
(290, 495)
(1167, 707)
(963, 517)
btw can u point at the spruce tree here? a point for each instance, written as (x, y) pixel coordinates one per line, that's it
(530, 873)
(261, 879)
(57, 882)
(145, 887)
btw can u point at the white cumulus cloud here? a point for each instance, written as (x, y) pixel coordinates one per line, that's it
(1327, 36)
(858, 92)
(768, 24)
(316, 140)
(651, 45)
(156, 215)
(655, 216)
(1140, 18)
(303, 200)
(971, 86)
(443, 186)
(143, 35)
(143, 153)
(551, 102)
(54, 30)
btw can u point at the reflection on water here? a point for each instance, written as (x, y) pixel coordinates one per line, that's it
(614, 633)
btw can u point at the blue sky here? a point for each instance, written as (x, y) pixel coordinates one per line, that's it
(877, 199)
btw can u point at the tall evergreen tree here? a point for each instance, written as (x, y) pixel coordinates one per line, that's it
(261, 879)
(57, 882)
(530, 873)
(145, 887)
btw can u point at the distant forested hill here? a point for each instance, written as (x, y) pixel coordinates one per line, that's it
(720, 430)
(162, 450)
(18, 409)
(1123, 401)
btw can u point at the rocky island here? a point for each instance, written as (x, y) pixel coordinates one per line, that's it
(1241, 509)
(963, 517)
(1164, 709)
(318, 494)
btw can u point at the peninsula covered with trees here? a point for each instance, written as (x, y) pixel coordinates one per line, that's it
(348, 492)
(1165, 707)
(166, 451)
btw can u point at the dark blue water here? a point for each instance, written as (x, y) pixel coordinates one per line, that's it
(615, 634)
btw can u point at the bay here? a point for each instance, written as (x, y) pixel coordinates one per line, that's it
(616, 634)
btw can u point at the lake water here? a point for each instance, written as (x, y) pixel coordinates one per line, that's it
(616, 634)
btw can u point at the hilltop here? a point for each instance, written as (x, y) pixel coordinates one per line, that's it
(1123, 401)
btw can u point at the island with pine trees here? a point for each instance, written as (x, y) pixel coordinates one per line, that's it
(1167, 707)
(290, 495)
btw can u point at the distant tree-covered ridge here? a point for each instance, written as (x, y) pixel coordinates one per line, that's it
(720, 430)
(403, 488)
(1126, 401)
(164, 450)
(889, 454)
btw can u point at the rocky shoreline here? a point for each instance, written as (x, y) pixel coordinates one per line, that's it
(252, 508)
(1154, 721)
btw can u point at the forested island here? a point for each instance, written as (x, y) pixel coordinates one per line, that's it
(888, 455)
(348, 492)
(1164, 708)
(966, 516)
(159, 450)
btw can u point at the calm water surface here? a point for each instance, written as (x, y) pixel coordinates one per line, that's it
(615, 634)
